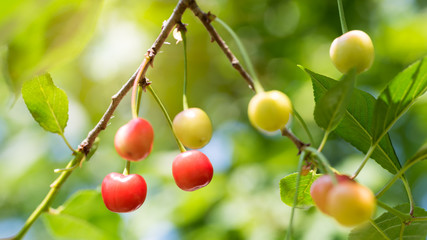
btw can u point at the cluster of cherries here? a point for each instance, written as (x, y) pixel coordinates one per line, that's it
(191, 169)
(347, 201)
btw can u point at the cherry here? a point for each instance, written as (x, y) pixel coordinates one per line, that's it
(351, 203)
(192, 170)
(269, 111)
(353, 49)
(320, 189)
(123, 193)
(193, 128)
(134, 140)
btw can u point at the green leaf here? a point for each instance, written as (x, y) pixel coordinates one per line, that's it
(15, 15)
(391, 226)
(420, 155)
(288, 187)
(330, 108)
(355, 127)
(58, 34)
(84, 217)
(398, 96)
(47, 103)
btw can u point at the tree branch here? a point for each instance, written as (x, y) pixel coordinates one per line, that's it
(206, 19)
(87, 143)
(167, 27)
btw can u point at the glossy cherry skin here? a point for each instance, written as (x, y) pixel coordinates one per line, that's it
(351, 204)
(353, 49)
(134, 140)
(320, 189)
(269, 111)
(123, 193)
(192, 170)
(193, 128)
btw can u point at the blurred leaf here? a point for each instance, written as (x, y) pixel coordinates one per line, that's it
(47, 103)
(355, 127)
(288, 188)
(84, 216)
(330, 108)
(391, 225)
(15, 15)
(398, 96)
(58, 34)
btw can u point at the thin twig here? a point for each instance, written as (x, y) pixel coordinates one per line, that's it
(87, 143)
(298, 143)
(206, 19)
(148, 60)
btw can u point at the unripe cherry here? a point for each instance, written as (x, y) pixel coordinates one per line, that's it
(192, 170)
(351, 203)
(193, 128)
(269, 111)
(134, 140)
(320, 189)
(353, 49)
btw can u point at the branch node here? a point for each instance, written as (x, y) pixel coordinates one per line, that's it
(144, 83)
(209, 17)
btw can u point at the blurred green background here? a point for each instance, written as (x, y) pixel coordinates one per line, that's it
(243, 200)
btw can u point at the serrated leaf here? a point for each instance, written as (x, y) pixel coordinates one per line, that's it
(47, 103)
(330, 108)
(288, 188)
(58, 34)
(391, 226)
(398, 96)
(355, 127)
(84, 212)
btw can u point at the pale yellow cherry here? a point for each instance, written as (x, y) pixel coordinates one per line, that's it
(269, 111)
(193, 128)
(353, 49)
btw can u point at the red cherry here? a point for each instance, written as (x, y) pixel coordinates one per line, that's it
(192, 170)
(123, 193)
(134, 140)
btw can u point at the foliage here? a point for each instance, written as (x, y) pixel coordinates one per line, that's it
(90, 49)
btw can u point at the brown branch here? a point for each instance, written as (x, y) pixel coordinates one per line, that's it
(206, 19)
(87, 143)
(298, 143)
(167, 27)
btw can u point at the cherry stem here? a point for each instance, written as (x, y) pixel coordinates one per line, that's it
(324, 140)
(126, 171)
(303, 124)
(257, 85)
(183, 30)
(325, 167)
(138, 99)
(365, 160)
(166, 114)
(135, 91)
(397, 176)
(342, 17)
(300, 162)
(402, 216)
